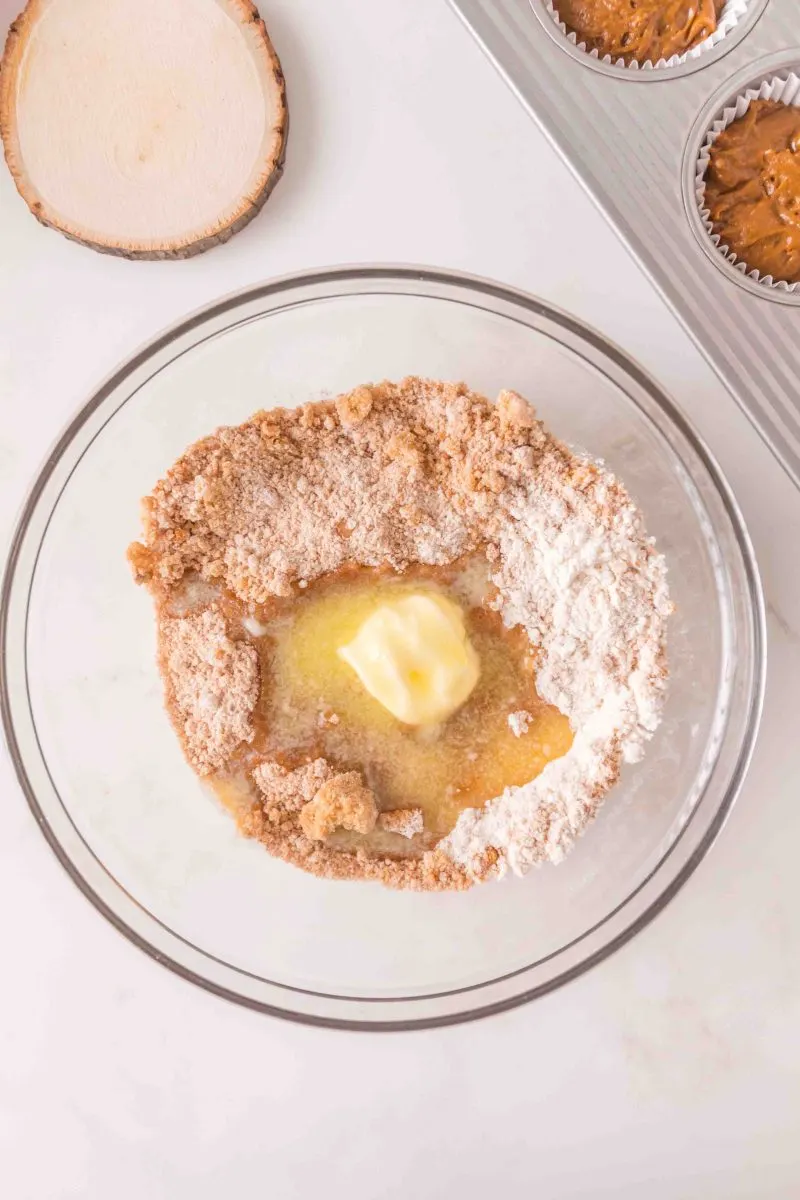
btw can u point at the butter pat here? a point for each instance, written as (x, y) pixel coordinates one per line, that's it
(414, 657)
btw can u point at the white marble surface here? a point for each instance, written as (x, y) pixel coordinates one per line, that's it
(670, 1071)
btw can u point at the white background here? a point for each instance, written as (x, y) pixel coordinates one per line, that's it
(670, 1071)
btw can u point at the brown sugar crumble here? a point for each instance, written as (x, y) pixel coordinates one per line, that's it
(212, 686)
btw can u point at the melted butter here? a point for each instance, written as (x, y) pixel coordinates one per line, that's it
(412, 654)
(313, 704)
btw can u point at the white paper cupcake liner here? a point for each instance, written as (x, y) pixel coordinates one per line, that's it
(785, 88)
(730, 16)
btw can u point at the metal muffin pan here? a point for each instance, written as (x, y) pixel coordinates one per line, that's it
(632, 138)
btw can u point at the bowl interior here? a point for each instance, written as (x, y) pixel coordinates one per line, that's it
(139, 828)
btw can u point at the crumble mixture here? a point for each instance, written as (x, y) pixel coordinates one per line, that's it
(392, 475)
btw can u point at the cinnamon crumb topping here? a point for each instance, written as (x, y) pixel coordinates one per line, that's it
(394, 474)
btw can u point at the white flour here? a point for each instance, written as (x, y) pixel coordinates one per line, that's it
(518, 722)
(578, 572)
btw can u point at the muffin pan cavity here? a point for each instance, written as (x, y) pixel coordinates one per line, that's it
(734, 21)
(725, 108)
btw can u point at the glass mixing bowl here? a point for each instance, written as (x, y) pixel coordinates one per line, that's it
(101, 767)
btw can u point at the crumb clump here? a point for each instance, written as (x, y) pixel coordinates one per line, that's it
(343, 802)
(406, 822)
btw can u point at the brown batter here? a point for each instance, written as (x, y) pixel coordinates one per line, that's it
(640, 30)
(753, 189)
